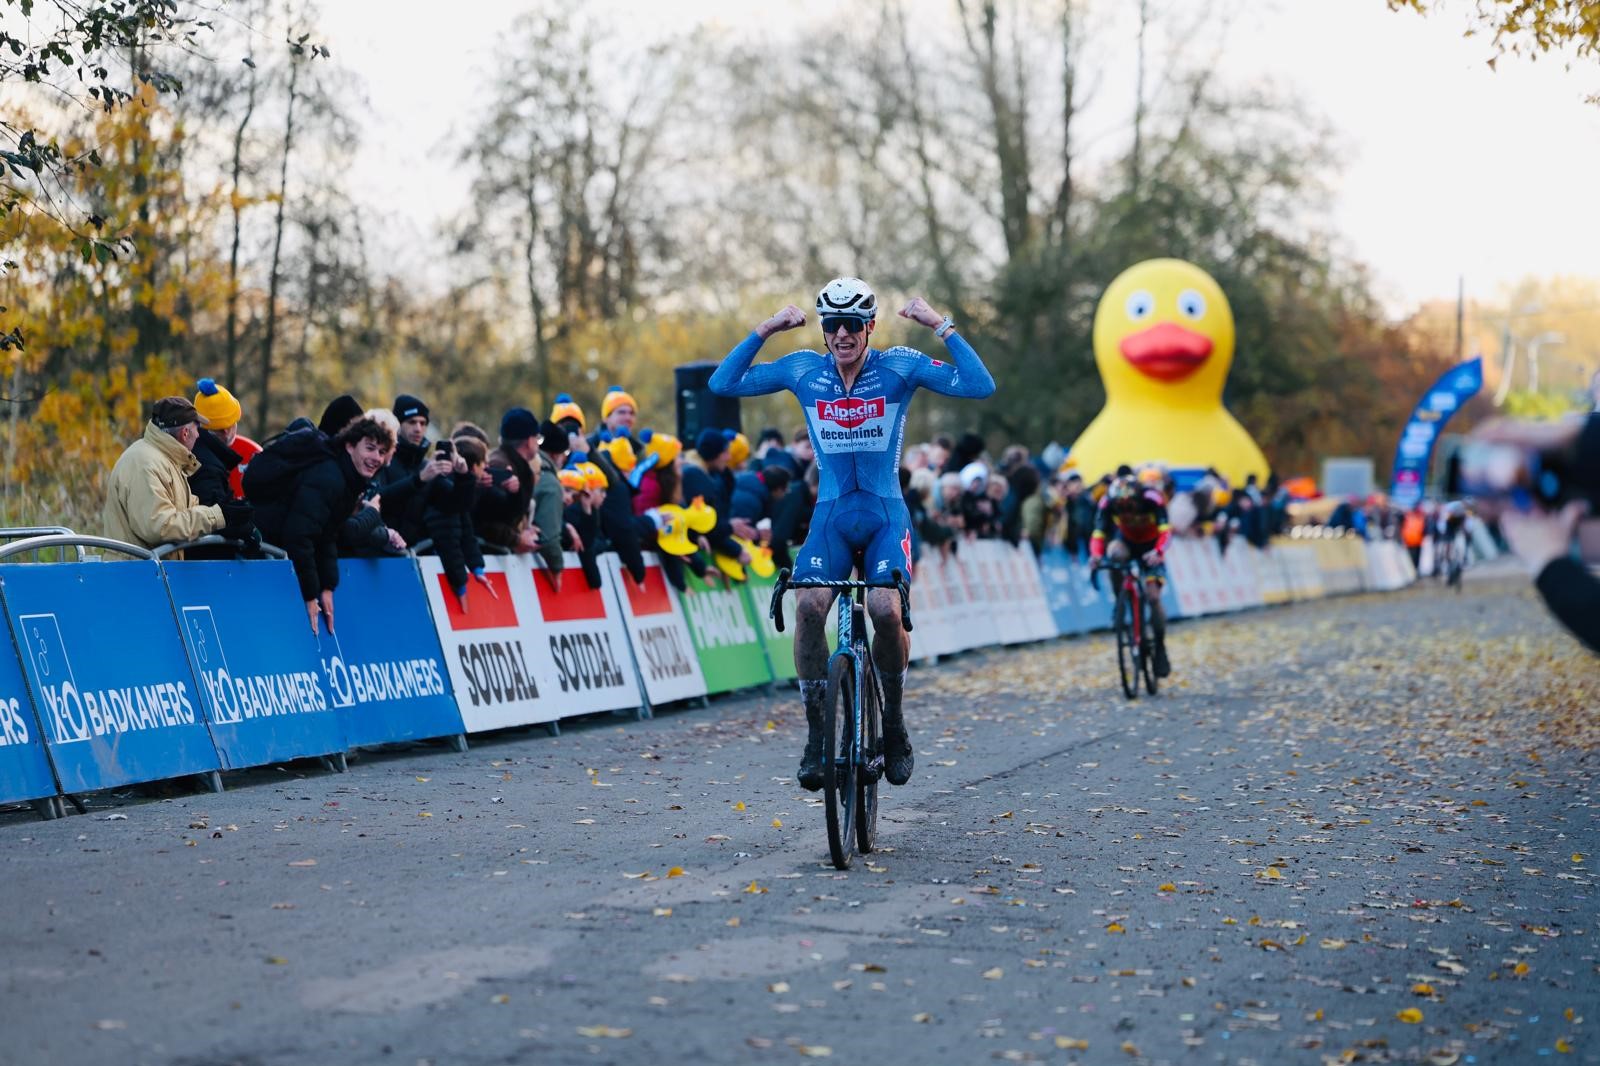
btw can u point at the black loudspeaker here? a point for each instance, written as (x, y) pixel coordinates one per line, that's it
(698, 407)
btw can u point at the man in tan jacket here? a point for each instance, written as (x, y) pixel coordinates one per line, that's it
(148, 499)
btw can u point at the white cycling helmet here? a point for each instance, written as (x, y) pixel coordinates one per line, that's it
(850, 297)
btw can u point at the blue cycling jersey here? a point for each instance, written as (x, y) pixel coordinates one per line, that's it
(856, 433)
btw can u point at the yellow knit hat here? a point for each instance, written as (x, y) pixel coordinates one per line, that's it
(738, 450)
(664, 446)
(615, 398)
(572, 479)
(216, 405)
(567, 407)
(621, 451)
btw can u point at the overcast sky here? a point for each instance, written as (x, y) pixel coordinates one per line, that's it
(1450, 168)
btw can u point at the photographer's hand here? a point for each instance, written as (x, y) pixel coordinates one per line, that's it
(1540, 537)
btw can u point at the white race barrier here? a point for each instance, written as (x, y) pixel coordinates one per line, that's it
(932, 620)
(1241, 581)
(652, 614)
(1388, 566)
(531, 653)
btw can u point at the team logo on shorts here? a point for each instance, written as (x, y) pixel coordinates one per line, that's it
(850, 412)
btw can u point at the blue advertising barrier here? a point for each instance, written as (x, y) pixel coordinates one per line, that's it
(24, 768)
(100, 649)
(1056, 567)
(1075, 604)
(251, 649)
(384, 667)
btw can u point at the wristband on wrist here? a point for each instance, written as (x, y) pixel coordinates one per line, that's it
(944, 328)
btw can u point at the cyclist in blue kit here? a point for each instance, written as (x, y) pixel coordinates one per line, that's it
(855, 400)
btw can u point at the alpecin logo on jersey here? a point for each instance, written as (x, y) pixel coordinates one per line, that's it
(850, 412)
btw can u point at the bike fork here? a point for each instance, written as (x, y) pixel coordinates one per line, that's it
(1138, 614)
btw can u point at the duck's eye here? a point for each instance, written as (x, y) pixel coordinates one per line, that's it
(1140, 305)
(1191, 304)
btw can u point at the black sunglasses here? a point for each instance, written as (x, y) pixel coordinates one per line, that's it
(831, 324)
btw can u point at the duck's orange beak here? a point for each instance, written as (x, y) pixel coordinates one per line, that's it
(1166, 352)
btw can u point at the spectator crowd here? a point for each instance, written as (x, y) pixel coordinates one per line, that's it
(382, 481)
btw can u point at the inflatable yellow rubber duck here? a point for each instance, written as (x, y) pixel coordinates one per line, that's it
(1163, 342)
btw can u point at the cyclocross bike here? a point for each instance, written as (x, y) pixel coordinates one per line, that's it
(852, 753)
(1130, 620)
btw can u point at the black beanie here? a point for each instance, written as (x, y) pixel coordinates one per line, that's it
(340, 413)
(556, 440)
(409, 407)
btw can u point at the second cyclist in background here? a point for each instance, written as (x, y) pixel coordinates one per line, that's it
(1132, 524)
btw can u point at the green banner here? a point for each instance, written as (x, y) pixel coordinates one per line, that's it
(726, 638)
(780, 646)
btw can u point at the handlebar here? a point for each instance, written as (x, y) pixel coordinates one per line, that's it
(896, 581)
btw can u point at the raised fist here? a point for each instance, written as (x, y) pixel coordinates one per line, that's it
(919, 311)
(790, 317)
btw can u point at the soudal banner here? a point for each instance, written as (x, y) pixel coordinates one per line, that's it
(108, 672)
(24, 768)
(255, 657)
(584, 657)
(658, 633)
(930, 615)
(723, 627)
(383, 666)
(530, 652)
(490, 644)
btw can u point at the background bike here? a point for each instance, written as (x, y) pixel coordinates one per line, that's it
(852, 754)
(1130, 620)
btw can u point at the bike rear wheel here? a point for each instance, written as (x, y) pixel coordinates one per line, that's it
(839, 760)
(872, 760)
(1127, 649)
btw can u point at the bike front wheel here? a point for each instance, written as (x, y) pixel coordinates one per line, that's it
(839, 760)
(1147, 645)
(1127, 648)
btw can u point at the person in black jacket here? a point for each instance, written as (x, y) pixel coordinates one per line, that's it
(405, 485)
(305, 519)
(364, 535)
(714, 483)
(210, 482)
(502, 515)
(1543, 539)
(448, 518)
(617, 523)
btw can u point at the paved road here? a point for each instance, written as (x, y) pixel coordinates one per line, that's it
(1361, 830)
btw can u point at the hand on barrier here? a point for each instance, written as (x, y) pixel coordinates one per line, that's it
(1152, 558)
(577, 541)
(483, 579)
(238, 519)
(321, 606)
